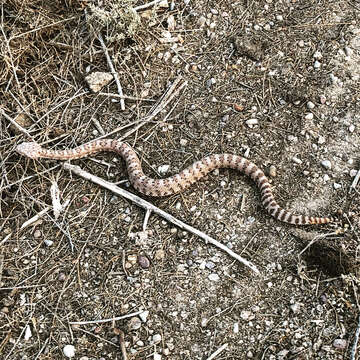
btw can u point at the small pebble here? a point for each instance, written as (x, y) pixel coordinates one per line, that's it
(317, 64)
(295, 308)
(353, 172)
(351, 128)
(210, 82)
(236, 328)
(322, 99)
(202, 20)
(252, 122)
(144, 262)
(272, 171)
(156, 338)
(183, 142)
(296, 160)
(326, 164)
(340, 343)
(310, 105)
(163, 169)
(279, 18)
(157, 356)
(28, 333)
(159, 254)
(337, 186)
(37, 234)
(97, 80)
(214, 277)
(247, 315)
(317, 55)
(134, 323)
(309, 116)
(69, 351)
(48, 242)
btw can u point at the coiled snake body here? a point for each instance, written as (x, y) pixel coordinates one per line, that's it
(179, 182)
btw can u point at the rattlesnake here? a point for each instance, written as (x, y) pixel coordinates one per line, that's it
(179, 182)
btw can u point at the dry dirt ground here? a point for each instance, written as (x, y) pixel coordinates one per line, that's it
(275, 81)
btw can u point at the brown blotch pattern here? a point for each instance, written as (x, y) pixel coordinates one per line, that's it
(179, 182)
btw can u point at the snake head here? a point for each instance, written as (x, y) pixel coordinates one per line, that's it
(29, 149)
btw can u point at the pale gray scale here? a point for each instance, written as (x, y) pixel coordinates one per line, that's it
(242, 164)
(266, 184)
(249, 168)
(281, 213)
(287, 216)
(267, 199)
(256, 174)
(266, 192)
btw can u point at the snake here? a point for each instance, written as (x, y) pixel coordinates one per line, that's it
(178, 182)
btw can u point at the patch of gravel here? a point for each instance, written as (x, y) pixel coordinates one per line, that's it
(274, 81)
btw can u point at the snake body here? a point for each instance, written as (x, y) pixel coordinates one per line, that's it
(179, 182)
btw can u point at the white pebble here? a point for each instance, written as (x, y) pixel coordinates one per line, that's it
(156, 338)
(326, 164)
(201, 20)
(183, 142)
(48, 242)
(309, 116)
(157, 356)
(322, 99)
(351, 128)
(340, 343)
(163, 169)
(144, 315)
(301, 43)
(214, 277)
(326, 178)
(295, 308)
(317, 64)
(310, 105)
(321, 140)
(317, 55)
(247, 315)
(134, 323)
(252, 122)
(296, 160)
(279, 18)
(69, 351)
(28, 333)
(337, 186)
(353, 172)
(236, 328)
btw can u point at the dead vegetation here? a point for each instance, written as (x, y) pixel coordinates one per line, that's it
(289, 67)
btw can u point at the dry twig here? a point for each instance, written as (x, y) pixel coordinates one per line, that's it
(106, 320)
(112, 70)
(217, 352)
(148, 206)
(356, 340)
